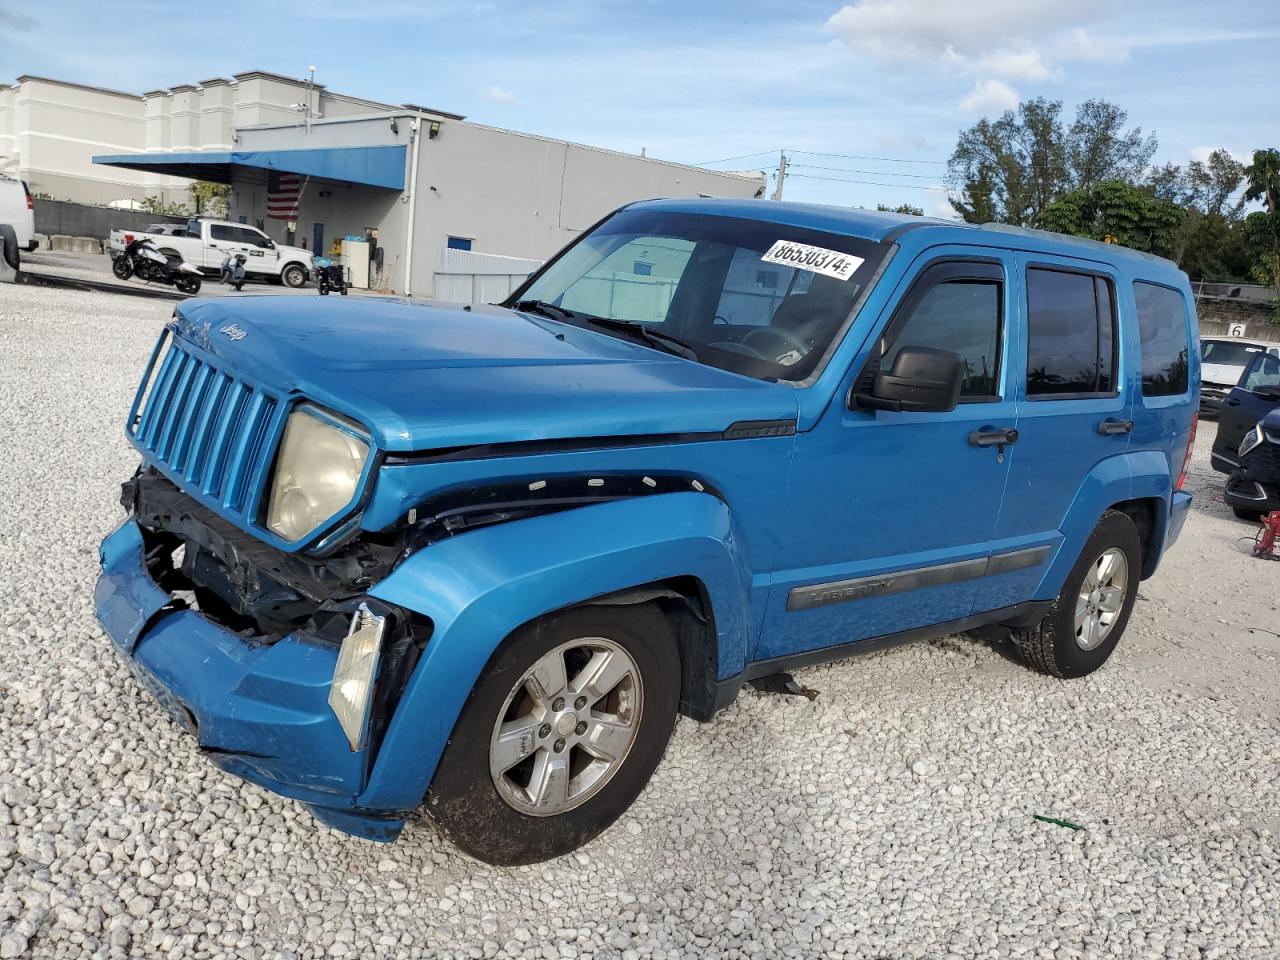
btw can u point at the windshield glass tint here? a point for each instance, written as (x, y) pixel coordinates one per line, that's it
(761, 299)
(1224, 351)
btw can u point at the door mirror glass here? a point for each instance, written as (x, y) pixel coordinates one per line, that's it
(922, 380)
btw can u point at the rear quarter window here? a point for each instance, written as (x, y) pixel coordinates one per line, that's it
(1162, 322)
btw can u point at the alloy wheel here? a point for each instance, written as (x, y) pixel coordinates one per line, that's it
(566, 727)
(1101, 598)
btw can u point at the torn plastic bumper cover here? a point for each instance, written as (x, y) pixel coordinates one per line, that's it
(258, 710)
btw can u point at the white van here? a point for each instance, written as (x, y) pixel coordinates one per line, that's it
(17, 210)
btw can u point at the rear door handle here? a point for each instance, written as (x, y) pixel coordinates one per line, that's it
(1110, 427)
(1233, 402)
(995, 437)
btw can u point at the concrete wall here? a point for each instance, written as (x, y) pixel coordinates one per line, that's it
(1217, 315)
(81, 220)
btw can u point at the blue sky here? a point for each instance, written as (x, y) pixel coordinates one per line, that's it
(702, 81)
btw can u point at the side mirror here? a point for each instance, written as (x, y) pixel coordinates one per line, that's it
(923, 380)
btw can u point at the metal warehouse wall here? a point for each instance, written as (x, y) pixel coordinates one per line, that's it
(525, 196)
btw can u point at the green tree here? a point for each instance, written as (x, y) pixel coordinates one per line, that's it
(171, 208)
(1012, 168)
(1263, 183)
(1209, 185)
(1208, 244)
(209, 199)
(901, 208)
(1117, 212)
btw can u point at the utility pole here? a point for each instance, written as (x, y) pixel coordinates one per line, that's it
(782, 175)
(311, 86)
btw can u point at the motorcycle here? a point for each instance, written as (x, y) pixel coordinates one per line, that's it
(233, 270)
(329, 276)
(142, 259)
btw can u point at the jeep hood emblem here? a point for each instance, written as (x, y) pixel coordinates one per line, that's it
(233, 332)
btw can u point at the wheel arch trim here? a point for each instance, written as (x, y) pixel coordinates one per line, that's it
(479, 588)
(1129, 481)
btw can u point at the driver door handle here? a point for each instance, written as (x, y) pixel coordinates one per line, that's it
(993, 437)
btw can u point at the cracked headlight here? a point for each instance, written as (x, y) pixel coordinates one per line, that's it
(1251, 439)
(317, 471)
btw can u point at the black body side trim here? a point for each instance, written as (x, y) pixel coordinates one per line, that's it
(1021, 614)
(750, 429)
(879, 585)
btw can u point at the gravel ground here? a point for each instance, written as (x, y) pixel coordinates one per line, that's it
(890, 818)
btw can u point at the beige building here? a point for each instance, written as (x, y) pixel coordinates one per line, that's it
(50, 130)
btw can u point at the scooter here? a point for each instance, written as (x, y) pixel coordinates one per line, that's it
(329, 276)
(233, 270)
(141, 258)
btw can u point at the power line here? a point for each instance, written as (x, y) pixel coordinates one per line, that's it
(745, 156)
(868, 183)
(881, 173)
(850, 156)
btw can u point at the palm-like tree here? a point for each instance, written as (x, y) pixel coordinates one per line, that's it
(1262, 178)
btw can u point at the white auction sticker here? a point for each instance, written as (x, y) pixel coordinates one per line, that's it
(830, 263)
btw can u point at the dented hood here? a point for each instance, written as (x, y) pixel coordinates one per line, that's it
(423, 376)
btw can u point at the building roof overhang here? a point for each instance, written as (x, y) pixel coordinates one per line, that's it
(373, 166)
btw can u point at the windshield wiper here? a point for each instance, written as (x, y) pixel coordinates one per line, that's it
(667, 342)
(549, 310)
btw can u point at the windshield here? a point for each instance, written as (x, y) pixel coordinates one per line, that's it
(1227, 352)
(760, 299)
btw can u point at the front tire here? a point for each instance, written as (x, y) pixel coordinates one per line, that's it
(561, 733)
(1245, 513)
(121, 268)
(1088, 617)
(294, 276)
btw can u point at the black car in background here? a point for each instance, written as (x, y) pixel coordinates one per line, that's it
(1247, 447)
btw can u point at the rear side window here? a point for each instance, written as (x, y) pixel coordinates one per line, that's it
(1070, 334)
(1162, 320)
(1264, 372)
(219, 232)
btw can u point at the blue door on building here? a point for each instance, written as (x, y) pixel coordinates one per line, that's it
(317, 239)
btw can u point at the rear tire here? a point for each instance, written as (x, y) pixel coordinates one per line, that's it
(1245, 513)
(538, 790)
(121, 268)
(1088, 617)
(189, 285)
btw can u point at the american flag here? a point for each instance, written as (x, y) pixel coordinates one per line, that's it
(284, 190)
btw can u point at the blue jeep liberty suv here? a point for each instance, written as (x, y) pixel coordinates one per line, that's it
(383, 555)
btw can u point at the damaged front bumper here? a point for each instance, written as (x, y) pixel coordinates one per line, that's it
(257, 710)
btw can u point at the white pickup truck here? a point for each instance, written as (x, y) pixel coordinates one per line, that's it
(206, 243)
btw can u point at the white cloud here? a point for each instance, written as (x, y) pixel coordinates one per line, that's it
(1024, 64)
(1079, 44)
(990, 96)
(939, 206)
(992, 41)
(496, 94)
(912, 30)
(1201, 154)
